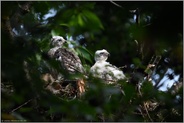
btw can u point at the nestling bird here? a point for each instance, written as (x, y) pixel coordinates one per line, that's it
(104, 70)
(68, 59)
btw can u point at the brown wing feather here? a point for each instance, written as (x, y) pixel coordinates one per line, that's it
(69, 60)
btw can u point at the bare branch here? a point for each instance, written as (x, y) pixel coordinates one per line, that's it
(21, 105)
(116, 4)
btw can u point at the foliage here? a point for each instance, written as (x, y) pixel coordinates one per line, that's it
(26, 29)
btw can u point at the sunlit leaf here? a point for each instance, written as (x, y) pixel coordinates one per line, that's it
(54, 32)
(83, 52)
(80, 21)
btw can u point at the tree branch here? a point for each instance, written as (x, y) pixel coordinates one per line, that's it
(116, 4)
(21, 106)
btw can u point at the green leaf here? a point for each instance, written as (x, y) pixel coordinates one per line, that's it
(138, 63)
(83, 52)
(54, 32)
(64, 24)
(80, 21)
(129, 92)
(57, 31)
(38, 58)
(93, 19)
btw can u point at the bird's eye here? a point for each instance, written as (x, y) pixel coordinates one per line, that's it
(59, 40)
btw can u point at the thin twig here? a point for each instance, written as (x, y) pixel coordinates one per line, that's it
(139, 91)
(116, 4)
(123, 67)
(21, 106)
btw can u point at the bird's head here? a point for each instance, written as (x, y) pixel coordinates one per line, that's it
(101, 55)
(57, 41)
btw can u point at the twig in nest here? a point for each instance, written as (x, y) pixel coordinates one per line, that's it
(141, 111)
(144, 107)
(147, 112)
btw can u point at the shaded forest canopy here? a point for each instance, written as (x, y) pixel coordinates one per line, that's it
(136, 34)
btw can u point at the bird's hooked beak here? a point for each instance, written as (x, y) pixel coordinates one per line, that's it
(106, 53)
(65, 41)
